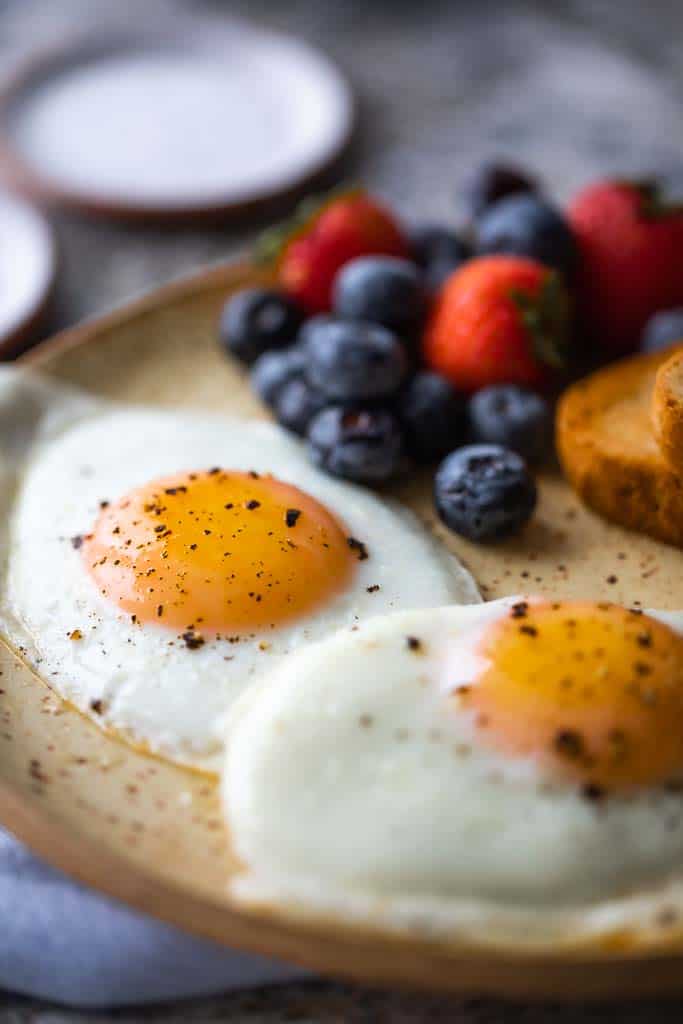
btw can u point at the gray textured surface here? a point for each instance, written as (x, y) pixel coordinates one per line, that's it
(322, 1003)
(575, 88)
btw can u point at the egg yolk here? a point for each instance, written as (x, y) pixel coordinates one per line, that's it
(219, 551)
(593, 691)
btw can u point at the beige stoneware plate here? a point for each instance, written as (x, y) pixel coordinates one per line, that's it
(151, 834)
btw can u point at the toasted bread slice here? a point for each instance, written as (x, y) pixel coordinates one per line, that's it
(667, 410)
(607, 446)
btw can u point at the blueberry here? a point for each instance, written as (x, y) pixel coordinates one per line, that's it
(384, 291)
(433, 415)
(490, 182)
(438, 252)
(257, 320)
(662, 329)
(436, 275)
(525, 225)
(297, 404)
(311, 325)
(352, 360)
(364, 445)
(273, 370)
(430, 243)
(513, 416)
(484, 492)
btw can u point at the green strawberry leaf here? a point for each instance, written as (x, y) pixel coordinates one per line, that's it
(655, 204)
(270, 245)
(546, 318)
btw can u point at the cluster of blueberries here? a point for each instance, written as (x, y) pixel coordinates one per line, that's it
(350, 381)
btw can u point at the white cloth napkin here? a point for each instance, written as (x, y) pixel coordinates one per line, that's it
(62, 942)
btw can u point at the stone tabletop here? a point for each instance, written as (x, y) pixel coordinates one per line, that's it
(571, 87)
(324, 1003)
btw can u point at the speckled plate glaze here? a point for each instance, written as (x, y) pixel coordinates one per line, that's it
(151, 834)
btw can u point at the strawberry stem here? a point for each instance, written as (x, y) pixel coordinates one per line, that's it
(271, 243)
(546, 318)
(654, 204)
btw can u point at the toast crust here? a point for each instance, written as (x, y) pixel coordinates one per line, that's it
(607, 447)
(667, 410)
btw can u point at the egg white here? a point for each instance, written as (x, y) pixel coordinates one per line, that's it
(352, 788)
(139, 680)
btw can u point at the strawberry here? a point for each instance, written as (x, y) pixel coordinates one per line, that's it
(499, 320)
(630, 246)
(324, 235)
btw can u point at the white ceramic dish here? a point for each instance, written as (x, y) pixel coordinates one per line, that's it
(200, 119)
(27, 270)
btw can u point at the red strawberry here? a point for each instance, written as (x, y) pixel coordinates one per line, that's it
(630, 259)
(499, 320)
(309, 251)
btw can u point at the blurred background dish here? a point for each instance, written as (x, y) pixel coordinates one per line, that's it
(27, 272)
(173, 123)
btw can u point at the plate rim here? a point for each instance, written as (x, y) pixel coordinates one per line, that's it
(14, 342)
(352, 953)
(21, 176)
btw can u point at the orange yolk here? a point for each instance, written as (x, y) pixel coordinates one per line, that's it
(219, 551)
(593, 691)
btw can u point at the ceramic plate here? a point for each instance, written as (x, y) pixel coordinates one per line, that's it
(27, 272)
(151, 834)
(204, 119)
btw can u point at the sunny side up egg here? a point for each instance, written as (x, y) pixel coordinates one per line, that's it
(516, 764)
(158, 561)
